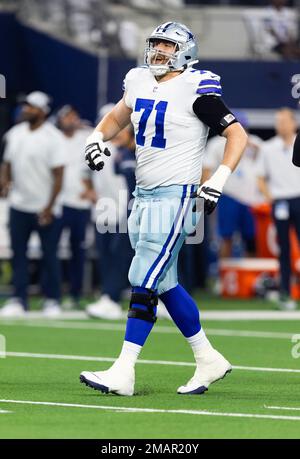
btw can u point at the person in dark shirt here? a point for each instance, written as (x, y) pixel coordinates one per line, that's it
(125, 161)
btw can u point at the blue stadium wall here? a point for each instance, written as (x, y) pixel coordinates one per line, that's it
(33, 60)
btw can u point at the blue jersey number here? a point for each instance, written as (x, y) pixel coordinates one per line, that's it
(147, 105)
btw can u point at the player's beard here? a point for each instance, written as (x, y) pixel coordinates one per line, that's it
(31, 118)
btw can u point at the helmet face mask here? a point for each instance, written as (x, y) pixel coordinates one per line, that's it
(183, 55)
(159, 61)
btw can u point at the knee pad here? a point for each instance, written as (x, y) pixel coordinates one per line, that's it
(149, 299)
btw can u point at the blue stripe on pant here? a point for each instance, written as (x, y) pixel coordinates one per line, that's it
(21, 225)
(157, 228)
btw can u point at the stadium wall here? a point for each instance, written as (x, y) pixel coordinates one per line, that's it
(31, 59)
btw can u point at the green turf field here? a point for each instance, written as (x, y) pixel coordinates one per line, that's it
(259, 399)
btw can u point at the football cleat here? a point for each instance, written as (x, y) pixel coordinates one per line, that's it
(12, 308)
(162, 312)
(105, 308)
(116, 380)
(211, 367)
(51, 309)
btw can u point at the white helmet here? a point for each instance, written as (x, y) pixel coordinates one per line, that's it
(186, 50)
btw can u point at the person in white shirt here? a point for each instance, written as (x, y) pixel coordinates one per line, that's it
(279, 181)
(32, 175)
(240, 192)
(74, 198)
(110, 197)
(280, 24)
(171, 106)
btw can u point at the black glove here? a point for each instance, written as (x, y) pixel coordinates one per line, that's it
(93, 150)
(210, 196)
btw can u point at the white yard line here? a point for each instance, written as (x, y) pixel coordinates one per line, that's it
(142, 361)
(248, 333)
(158, 329)
(205, 315)
(292, 408)
(5, 412)
(154, 410)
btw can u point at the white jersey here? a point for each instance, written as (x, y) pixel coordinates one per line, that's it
(33, 155)
(242, 183)
(276, 166)
(76, 171)
(111, 190)
(170, 139)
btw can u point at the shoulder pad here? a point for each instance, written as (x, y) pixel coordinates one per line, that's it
(206, 82)
(136, 72)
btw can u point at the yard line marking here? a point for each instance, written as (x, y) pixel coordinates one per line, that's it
(267, 369)
(293, 408)
(205, 315)
(247, 333)
(5, 411)
(158, 329)
(142, 361)
(155, 410)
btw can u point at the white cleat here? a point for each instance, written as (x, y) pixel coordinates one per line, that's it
(162, 312)
(13, 308)
(105, 308)
(287, 305)
(211, 367)
(116, 380)
(51, 309)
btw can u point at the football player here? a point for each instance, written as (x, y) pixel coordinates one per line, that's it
(171, 106)
(296, 151)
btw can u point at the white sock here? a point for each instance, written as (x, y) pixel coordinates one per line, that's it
(198, 342)
(129, 353)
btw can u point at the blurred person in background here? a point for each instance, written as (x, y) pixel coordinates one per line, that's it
(74, 199)
(240, 192)
(280, 24)
(125, 162)
(279, 181)
(31, 176)
(109, 193)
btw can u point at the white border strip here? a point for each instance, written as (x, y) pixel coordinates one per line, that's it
(142, 361)
(154, 410)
